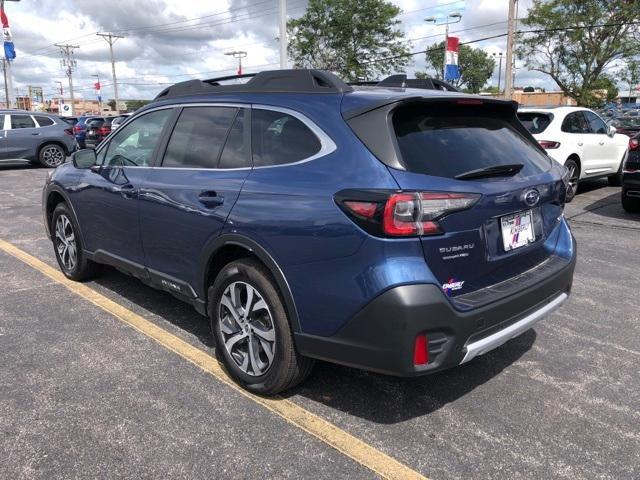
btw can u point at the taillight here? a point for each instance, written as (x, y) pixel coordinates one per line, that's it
(77, 129)
(421, 350)
(402, 214)
(548, 145)
(634, 143)
(104, 131)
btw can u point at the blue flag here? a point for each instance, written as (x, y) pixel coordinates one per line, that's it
(9, 51)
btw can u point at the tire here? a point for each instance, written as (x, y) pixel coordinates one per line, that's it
(277, 366)
(631, 205)
(51, 155)
(68, 247)
(574, 179)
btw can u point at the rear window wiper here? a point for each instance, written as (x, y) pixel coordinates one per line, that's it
(495, 171)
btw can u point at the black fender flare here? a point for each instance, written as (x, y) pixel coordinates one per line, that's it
(265, 257)
(51, 188)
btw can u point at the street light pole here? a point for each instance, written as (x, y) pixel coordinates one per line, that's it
(239, 54)
(499, 55)
(458, 17)
(508, 73)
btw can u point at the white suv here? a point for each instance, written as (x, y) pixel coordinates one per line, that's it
(578, 139)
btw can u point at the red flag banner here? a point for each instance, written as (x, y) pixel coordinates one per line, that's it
(96, 85)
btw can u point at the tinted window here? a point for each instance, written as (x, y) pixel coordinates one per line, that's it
(447, 141)
(43, 121)
(596, 124)
(135, 143)
(22, 121)
(535, 122)
(575, 123)
(95, 123)
(198, 137)
(278, 138)
(235, 153)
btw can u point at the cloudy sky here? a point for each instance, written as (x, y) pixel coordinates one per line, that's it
(173, 40)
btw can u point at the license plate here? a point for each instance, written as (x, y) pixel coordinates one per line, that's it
(517, 230)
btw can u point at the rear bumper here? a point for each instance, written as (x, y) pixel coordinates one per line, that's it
(381, 336)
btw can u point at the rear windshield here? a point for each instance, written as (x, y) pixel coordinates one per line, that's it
(535, 122)
(446, 141)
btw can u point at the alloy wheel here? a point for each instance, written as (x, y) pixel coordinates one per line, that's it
(52, 156)
(573, 179)
(247, 328)
(66, 243)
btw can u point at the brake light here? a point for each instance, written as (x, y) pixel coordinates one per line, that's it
(103, 131)
(634, 143)
(402, 214)
(421, 350)
(77, 129)
(548, 145)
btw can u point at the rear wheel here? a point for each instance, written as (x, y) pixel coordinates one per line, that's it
(68, 246)
(574, 178)
(630, 204)
(251, 330)
(51, 155)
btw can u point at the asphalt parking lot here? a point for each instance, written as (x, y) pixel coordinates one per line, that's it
(83, 394)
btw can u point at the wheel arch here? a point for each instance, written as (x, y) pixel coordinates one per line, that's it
(229, 247)
(576, 158)
(51, 142)
(53, 198)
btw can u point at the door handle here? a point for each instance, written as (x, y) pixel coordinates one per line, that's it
(126, 191)
(601, 143)
(210, 199)
(35, 133)
(580, 144)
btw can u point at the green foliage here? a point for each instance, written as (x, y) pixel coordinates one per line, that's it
(133, 105)
(475, 66)
(604, 82)
(494, 90)
(631, 73)
(528, 89)
(112, 104)
(576, 58)
(359, 40)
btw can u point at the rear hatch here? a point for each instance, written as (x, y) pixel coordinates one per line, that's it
(480, 151)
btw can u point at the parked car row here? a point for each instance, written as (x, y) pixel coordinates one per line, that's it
(91, 130)
(631, 177)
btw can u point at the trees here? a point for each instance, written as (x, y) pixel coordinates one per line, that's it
(359, 40)
(631, 73)
(475, 65)
(577, 41)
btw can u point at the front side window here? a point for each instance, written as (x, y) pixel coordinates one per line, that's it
(198, 137)
(22, 121)
(135, 143)
(596, 124)
(279, 138)
(43, 121)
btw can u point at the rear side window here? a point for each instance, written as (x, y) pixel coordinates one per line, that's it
(198, 137)
(22, 121)
(575, 123)
(446, 141)
(535, 122)
(278, 138)
(43, 121)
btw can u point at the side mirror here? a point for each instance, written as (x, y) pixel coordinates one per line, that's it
(85, 158)
(611, 131)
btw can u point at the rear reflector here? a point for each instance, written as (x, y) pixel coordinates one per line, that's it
(364, 209)
(421, 350)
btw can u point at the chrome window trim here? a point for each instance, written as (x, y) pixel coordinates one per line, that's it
(327, 145)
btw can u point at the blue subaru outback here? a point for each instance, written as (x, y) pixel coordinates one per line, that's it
(398, 230)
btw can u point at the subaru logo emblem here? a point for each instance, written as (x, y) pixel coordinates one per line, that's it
(531, 197)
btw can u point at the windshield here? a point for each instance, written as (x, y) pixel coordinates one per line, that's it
(446, 141)
(535, 122)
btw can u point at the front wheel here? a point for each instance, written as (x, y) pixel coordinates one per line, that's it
(68, 246)
(51, 155)
(574, 178)
(251, 329)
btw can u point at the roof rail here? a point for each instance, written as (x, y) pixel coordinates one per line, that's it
(402, 81)
(288, 81)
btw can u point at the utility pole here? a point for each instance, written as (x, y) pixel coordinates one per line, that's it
(508, 74)
(239, 54)
(6, 86)
(499, 55)
(111, 39)
(283, 34)
(69, 64)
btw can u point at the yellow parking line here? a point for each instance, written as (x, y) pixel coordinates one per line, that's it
(349, 445)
